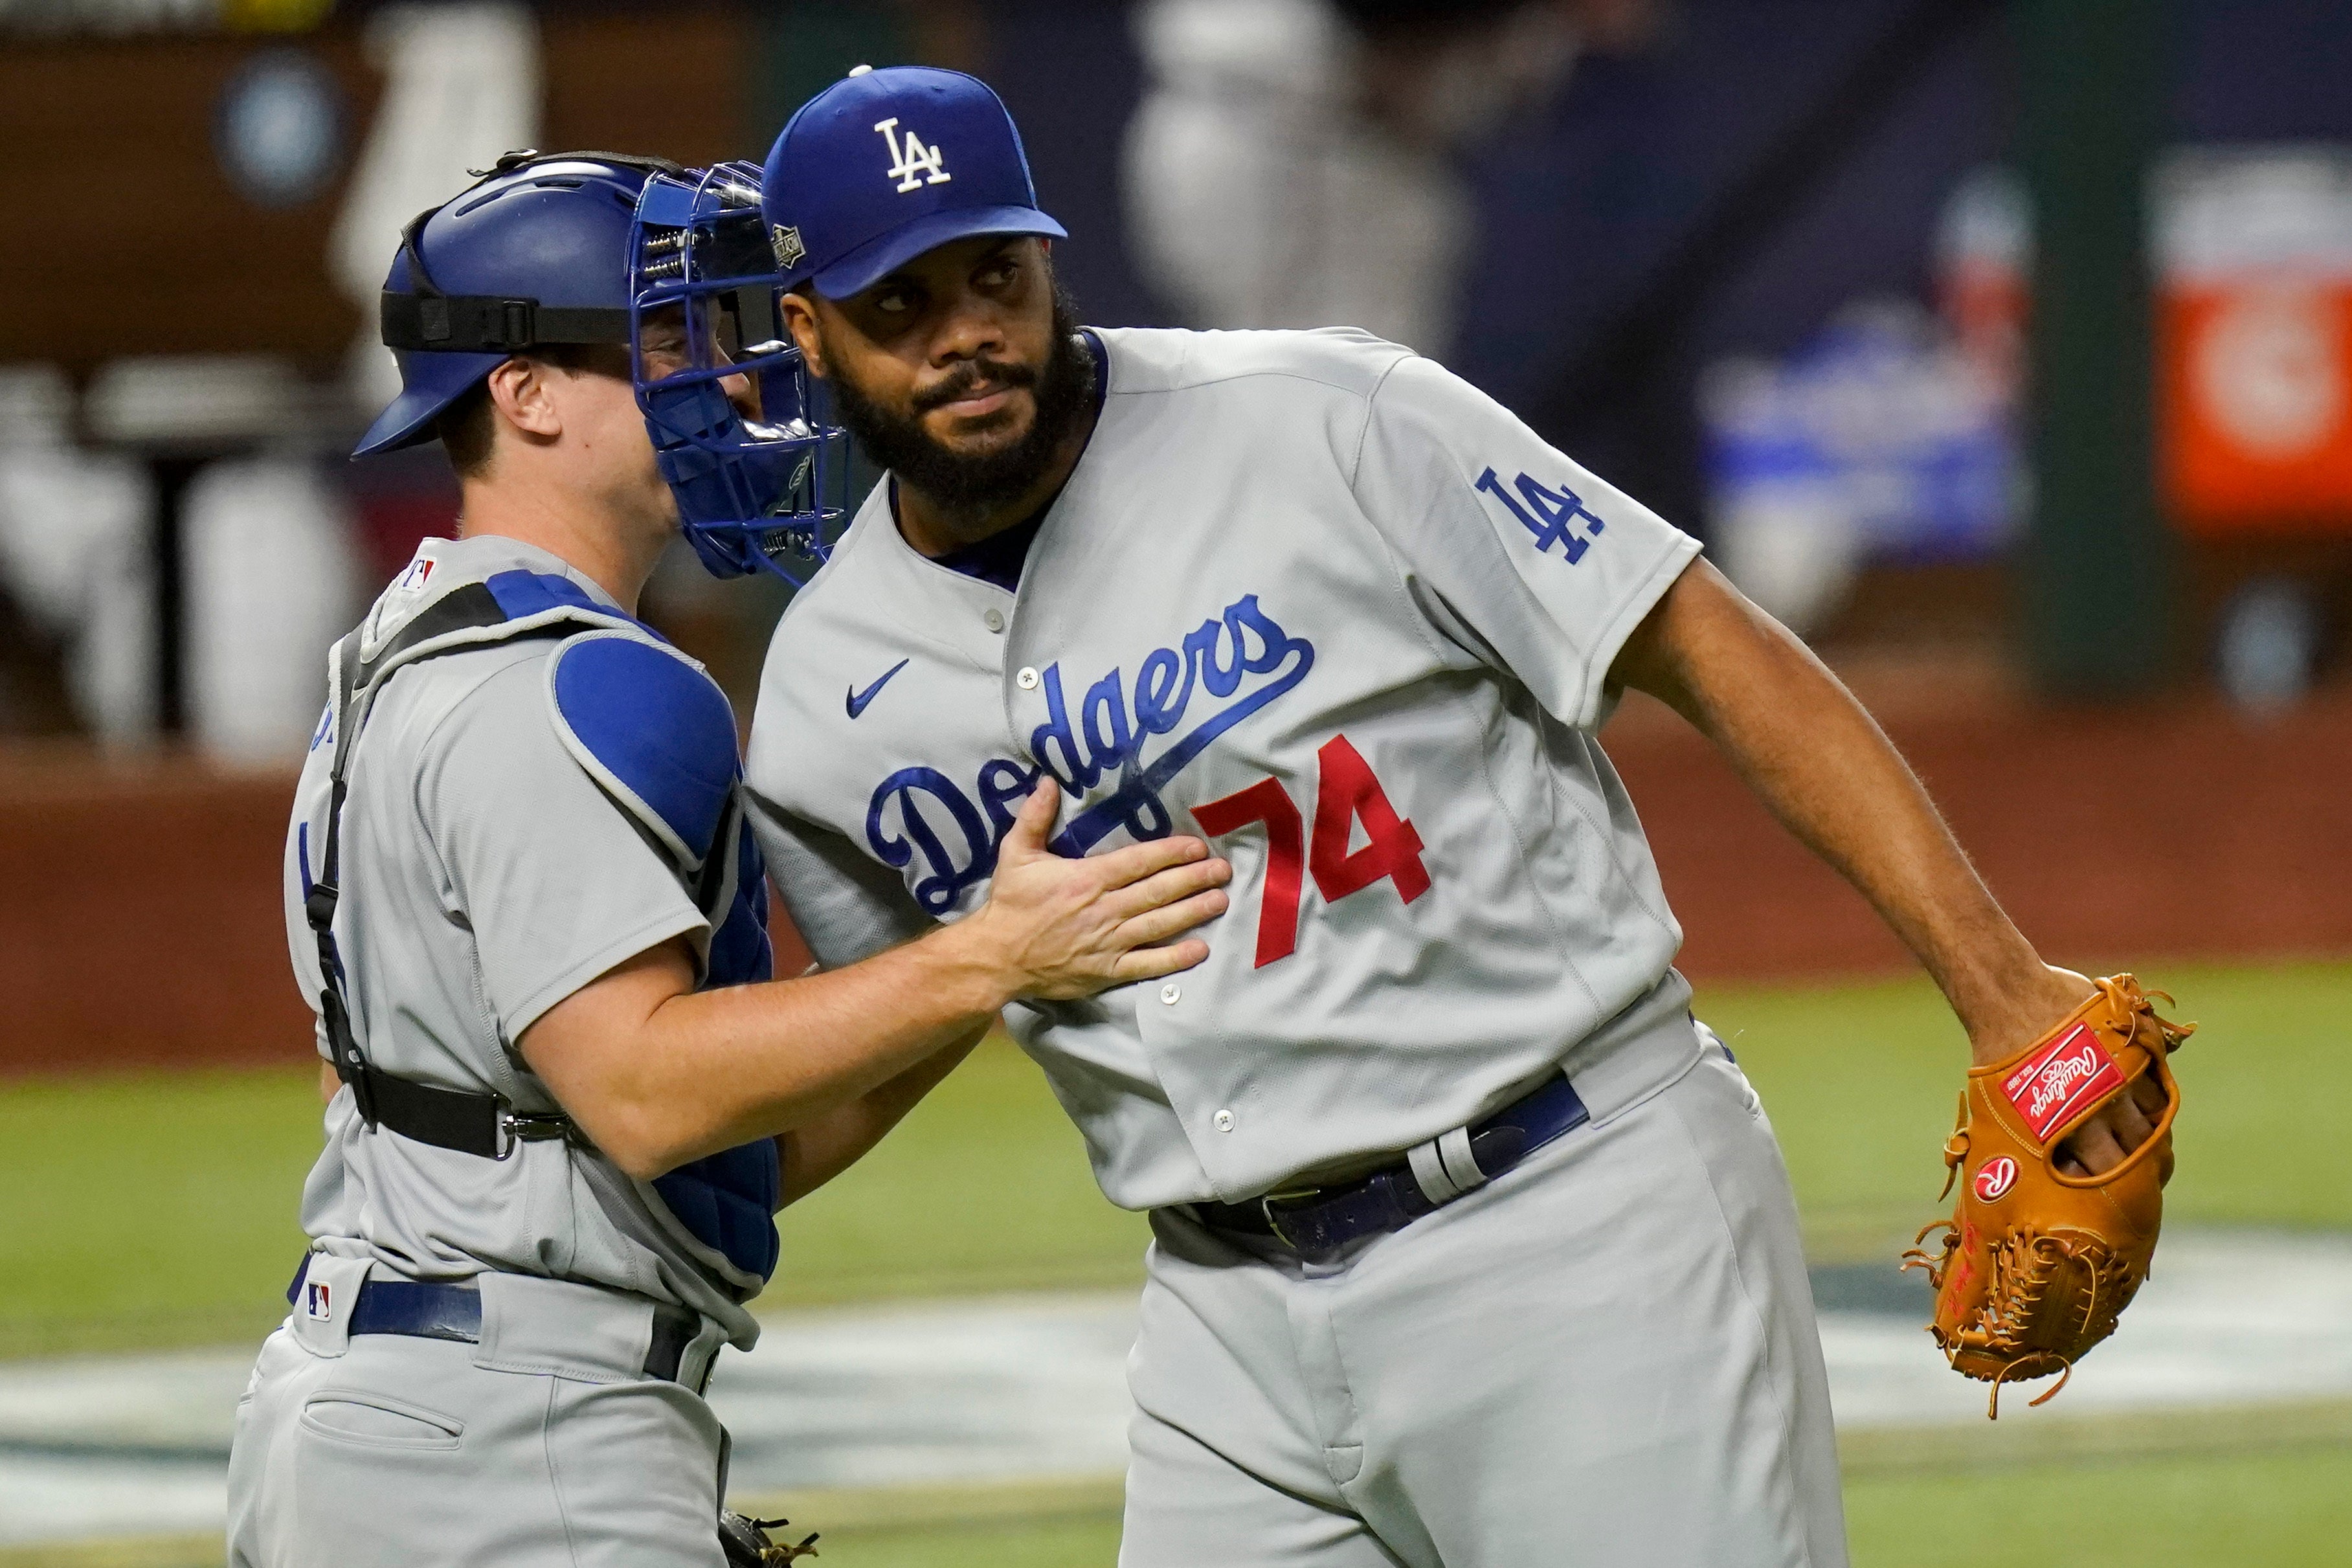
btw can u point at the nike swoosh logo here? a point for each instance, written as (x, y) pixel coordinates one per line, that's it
(857, 701)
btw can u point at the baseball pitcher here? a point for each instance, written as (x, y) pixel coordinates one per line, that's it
(1470, 1246)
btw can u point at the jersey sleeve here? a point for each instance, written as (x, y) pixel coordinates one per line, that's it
(846, 905)
(557, 880)
(1522, 559)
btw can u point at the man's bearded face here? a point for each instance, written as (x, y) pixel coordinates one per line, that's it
(1000, 467)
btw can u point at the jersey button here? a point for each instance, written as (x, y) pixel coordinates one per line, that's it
(994, 620)
(1225, 1121)
(1027, 681)
(1171, 993)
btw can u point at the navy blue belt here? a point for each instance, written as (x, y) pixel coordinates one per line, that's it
(1318, 1223)
(424, 1310)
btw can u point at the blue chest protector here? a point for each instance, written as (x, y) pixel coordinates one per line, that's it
(653, 730)
(659, 737)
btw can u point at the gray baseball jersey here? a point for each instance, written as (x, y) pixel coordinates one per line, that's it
(486, 874)
(1316, 598)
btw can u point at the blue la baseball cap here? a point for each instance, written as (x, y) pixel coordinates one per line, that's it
(886, 165)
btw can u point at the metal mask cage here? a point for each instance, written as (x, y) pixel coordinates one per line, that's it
(760, 478)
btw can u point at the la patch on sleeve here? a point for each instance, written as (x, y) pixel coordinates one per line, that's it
(1551, 515)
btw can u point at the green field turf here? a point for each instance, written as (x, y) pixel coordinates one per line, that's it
(2281, 1507)
(150, 1210)
(2275, 1509)
(2272, 1509)
(158, 1209)
(1862, 1082)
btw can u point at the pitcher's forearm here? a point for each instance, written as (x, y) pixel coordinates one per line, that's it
(1823, 767)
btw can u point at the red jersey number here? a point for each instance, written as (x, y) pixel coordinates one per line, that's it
(1347, 794)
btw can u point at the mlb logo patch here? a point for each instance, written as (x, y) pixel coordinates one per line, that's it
(318, 1303)
(2058, 1081)
(418, 572)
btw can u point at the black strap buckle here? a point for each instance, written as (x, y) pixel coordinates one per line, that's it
(349, 1064)
(519, 1127)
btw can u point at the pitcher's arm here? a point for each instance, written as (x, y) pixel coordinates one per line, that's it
(1799, 738)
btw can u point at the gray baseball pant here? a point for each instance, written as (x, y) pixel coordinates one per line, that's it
(1607, 1356)
(544, 1445)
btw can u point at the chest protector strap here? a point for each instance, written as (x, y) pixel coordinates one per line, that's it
(467, 616)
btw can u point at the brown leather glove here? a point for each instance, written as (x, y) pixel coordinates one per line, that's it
(2036, 1265)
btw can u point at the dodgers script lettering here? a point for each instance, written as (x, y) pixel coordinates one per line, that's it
(1140, 734)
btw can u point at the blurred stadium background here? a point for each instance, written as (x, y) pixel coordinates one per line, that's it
(2004, 348)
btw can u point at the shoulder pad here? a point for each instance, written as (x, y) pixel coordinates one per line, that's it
(653, 728)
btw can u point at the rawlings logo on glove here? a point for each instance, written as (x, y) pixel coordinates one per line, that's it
(2060, 1077)
(2036, 1263)
(1995, 1177)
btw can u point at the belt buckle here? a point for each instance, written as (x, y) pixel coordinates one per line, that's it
(1273, 1218)
(519, 1127)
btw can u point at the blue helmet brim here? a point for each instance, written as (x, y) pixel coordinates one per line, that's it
(878, 259)
(408, 420)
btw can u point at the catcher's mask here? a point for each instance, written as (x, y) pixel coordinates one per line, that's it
(763, 489)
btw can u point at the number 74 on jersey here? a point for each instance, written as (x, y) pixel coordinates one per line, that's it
(1346, 794)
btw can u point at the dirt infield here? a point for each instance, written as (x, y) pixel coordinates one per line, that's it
(142, 927)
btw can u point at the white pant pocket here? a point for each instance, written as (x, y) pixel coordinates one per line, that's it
(379, 1420)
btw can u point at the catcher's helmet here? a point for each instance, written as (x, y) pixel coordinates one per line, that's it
(579, 248)
(535, 253)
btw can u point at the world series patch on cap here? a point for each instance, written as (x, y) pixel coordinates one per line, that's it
(886, 165)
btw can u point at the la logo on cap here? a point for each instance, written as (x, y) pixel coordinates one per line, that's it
(947, 142)
(910, 158)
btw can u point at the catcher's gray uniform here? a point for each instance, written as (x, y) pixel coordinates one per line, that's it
(1312, 596)
(490, 867)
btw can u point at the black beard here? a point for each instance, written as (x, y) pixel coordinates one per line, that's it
(968, 486)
